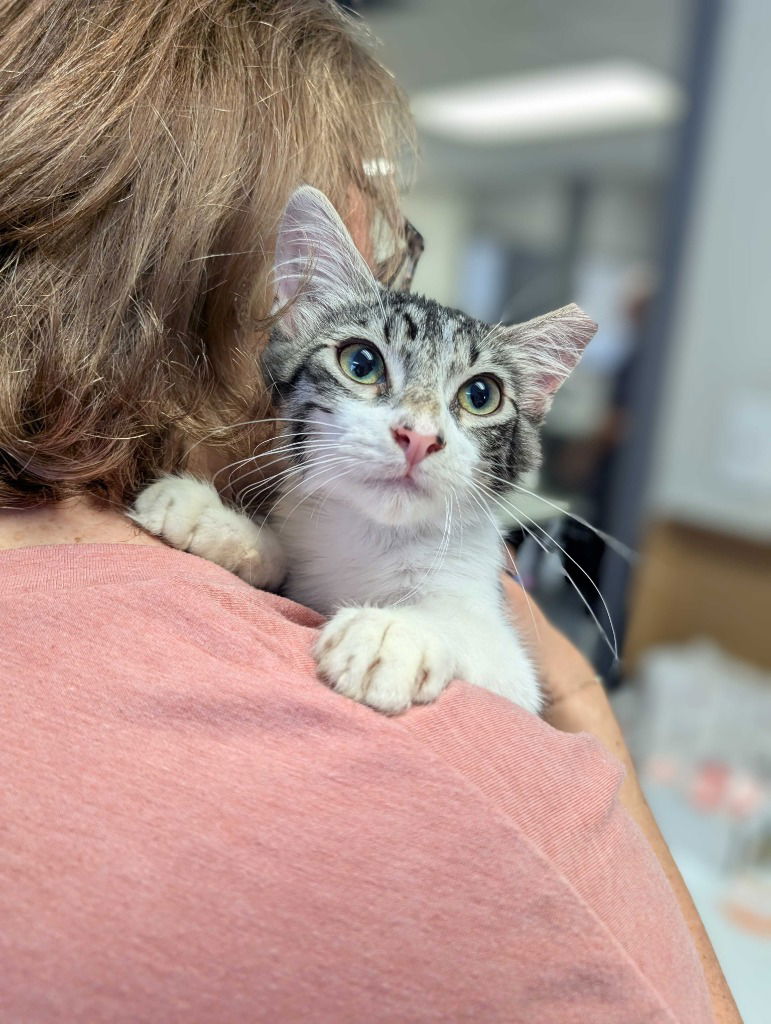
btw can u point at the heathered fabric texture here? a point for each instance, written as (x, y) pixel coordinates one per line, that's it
(193, 828)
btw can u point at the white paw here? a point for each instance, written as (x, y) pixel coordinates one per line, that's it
(190, 515)
(383, 658)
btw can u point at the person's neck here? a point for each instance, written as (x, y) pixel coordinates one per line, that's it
(74, 521)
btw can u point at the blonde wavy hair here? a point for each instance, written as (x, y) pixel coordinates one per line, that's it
(148, 149)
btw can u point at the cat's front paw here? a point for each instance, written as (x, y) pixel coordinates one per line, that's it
(190, 515)
(383, 658)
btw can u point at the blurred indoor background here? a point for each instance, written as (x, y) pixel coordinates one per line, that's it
(618, 154)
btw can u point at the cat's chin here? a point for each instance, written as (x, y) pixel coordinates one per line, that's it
(397, 502)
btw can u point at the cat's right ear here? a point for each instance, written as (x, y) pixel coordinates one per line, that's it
(551, 346)
(317, 263)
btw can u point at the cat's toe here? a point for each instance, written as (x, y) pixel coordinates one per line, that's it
(339, 658)
(347, 649)
(435, 676)
(392, 683)
(171, 508)
(379, 657)
(261, 560)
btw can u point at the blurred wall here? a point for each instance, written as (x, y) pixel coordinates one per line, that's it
(713, 462)
(620, 225)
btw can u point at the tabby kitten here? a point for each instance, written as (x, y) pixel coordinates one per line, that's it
(402, 422)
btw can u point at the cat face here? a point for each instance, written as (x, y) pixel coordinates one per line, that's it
(395, 404)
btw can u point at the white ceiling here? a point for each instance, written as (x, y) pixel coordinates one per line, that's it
(430, 43)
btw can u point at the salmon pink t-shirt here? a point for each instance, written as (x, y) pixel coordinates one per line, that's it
(194, 829)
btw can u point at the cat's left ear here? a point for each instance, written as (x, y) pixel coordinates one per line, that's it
(317, 263)
(551, 346)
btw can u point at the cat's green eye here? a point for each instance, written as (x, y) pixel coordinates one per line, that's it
(481, 396)
(361, 362)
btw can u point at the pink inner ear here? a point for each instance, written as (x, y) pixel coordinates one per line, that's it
(549, 383)
(315, 254)
(551, 346)
(539, 394)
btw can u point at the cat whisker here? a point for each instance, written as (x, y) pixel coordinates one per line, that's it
(486, 511)
(454, 494)
(621, 549)
(269, 482)
(253, 463)
(335, 460)
(252, 423)
(490, 333)
(614, 646)
(323, 483)
(307, 445)
(513, 510)
(266, 485)
(283, 454)
(250, 498)
(258, 455)
(439, 555)
(444, 545)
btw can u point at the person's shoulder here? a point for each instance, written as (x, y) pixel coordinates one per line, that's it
(196, 616)
(532, 773)
(561, 791)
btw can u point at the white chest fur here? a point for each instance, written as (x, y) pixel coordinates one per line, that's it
(337, 557)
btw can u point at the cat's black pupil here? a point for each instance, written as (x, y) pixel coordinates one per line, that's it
(479, 393)
(362, 362)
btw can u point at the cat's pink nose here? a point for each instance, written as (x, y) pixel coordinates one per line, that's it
(416, 446)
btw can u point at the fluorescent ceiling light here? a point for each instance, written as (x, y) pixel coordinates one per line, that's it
(586, 100)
